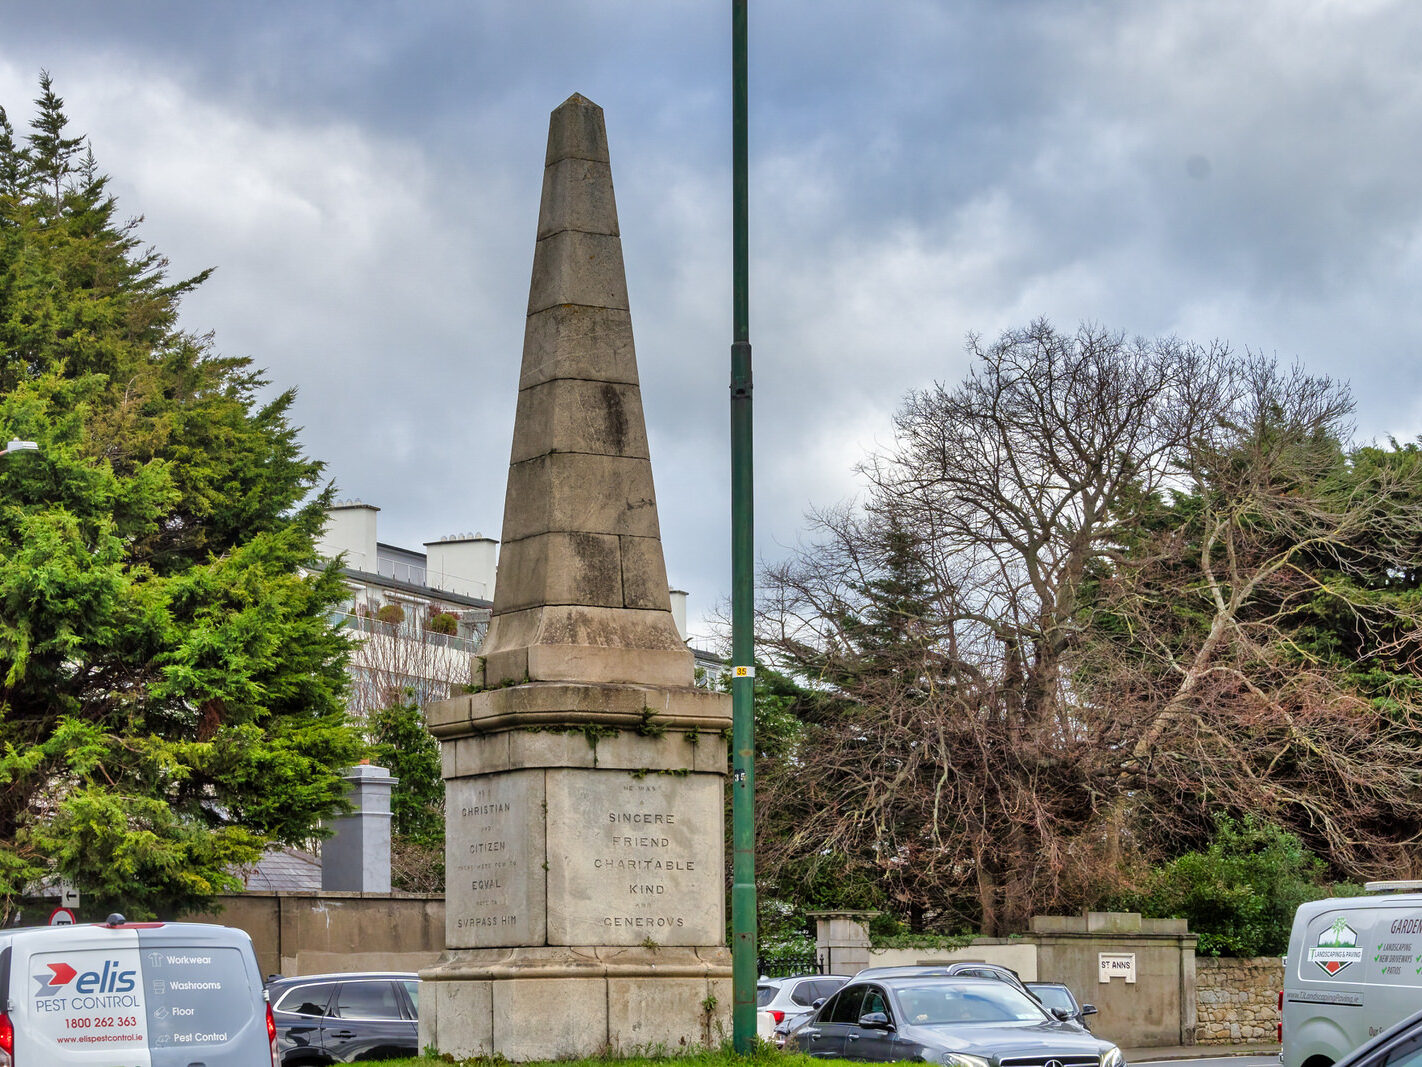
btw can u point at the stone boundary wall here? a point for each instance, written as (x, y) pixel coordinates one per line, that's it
(1148, 1002)
(1237, 999)
(312, 932)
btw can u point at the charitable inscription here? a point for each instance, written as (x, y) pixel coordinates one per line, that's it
(633, 867)
(493, 841)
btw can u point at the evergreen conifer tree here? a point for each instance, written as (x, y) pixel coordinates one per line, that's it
(171, 690)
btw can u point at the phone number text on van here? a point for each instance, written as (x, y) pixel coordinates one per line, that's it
(99, 1022)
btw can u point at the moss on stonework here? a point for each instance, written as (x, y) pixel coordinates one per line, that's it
(648, 727)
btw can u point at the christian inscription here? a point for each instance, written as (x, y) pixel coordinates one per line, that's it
(494, 860)
(637, 859)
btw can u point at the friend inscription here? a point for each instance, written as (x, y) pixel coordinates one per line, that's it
(628, 865)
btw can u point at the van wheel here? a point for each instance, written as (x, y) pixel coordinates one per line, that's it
(1317, 1061)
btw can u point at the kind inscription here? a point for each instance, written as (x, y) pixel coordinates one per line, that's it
(631, 859)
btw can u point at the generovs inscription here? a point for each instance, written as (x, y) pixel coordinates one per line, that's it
(640, 860)
(637, 866)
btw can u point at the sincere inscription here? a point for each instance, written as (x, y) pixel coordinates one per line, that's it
(495, 833)
(632, 866)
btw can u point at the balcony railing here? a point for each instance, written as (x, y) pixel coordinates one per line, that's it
(400, 571)
(368, 624)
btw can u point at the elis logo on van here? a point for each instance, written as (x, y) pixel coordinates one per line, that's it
(62, 978)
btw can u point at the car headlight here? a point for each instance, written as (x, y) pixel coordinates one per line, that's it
(1112, 1058)
(961, 1059)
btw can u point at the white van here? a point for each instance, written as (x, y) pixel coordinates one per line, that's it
(1354, 968)
(120, 994)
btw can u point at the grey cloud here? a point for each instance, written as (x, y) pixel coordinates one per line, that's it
(920, 169)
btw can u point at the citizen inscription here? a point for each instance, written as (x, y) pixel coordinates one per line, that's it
(494, 860)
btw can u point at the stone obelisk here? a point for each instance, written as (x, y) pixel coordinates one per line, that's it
(585, 900)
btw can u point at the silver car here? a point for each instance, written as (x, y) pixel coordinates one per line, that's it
(783, 1002)
(958, 1022)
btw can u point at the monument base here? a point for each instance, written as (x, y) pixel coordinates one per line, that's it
(562, 1003)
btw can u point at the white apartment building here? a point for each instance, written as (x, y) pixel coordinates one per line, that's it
(398, 593)
(420, 615)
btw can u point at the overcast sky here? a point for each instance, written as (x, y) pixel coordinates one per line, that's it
(365, 179)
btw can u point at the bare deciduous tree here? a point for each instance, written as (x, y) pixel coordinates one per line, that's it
(1021, 674)
(1280, 523)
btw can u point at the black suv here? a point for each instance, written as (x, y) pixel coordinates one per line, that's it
(342, 1018)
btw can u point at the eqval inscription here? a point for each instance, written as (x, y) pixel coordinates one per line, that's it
(494, 871)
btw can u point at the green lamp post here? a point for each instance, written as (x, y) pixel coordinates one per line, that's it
(743, 941)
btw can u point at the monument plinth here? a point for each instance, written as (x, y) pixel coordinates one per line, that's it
(584, 785)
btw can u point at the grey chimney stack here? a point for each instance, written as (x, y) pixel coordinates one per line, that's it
(356, 857)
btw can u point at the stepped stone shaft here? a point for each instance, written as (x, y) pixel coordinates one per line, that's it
(582, 590)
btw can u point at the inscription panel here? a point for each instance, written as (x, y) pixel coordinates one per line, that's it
(494, 876)
(633, 860)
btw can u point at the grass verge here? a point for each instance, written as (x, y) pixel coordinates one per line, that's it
(766, 1056)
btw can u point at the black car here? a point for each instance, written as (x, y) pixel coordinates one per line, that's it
(1399, 1045)
(958, 1022)
(1061, 1001)
(343, 1018)
(782, 1002)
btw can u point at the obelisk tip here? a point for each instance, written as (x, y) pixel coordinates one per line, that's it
(576, 131)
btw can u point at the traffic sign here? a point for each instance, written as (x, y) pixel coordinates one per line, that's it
(68, 895)
(61, 917)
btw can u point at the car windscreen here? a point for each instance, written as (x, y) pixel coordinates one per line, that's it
(1053, 996)
(933, 1004)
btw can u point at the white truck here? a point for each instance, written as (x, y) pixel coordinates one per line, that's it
(1354, 968)
(120, 994)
